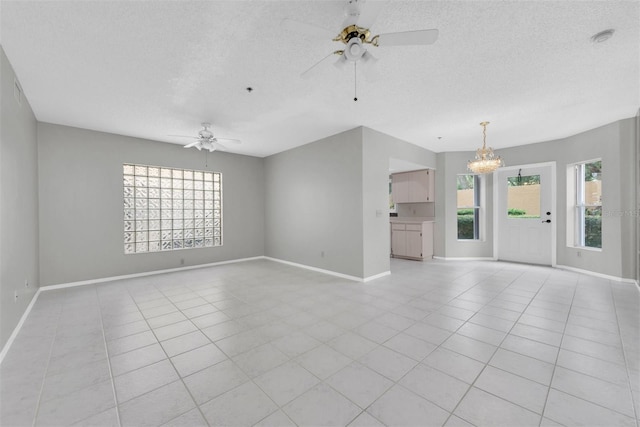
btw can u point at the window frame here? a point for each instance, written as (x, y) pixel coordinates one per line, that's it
(580, 206)
(478, 194)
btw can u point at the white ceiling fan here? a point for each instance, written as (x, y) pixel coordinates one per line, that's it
(206, 140)
(360, 15)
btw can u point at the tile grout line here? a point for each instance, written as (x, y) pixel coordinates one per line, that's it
(497, 348)
(320, 380)
(352, 330)
(439, 345)
(588, 375)
(555, 364)
(170, 361)
(228, 357)
(104, 340)
(349, 330)
(250, 379)
(289, 359)
(44, 378)
(624, 355)
(147, 323)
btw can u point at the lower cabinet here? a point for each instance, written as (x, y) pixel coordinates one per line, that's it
(412, 240)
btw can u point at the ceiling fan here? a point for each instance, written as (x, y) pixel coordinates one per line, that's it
(206, 140)
(360, 15)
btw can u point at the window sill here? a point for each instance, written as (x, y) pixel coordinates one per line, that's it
(585, 248)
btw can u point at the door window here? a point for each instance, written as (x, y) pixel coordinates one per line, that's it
(523, 196)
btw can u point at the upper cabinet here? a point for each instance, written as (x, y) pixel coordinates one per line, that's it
(400, 187)
(413, 187)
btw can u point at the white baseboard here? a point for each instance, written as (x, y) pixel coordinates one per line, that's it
(319, 270)
(14, 334)
(465, 258)
(143, 274)
(376, 276)
(595, 274)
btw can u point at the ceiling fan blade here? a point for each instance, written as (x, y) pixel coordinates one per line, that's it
(363, 13)
(298, 28)
(229, 141)
(311, 71)
(217, 146)
(192, 144)
(370, 70)
(185, 136)
(406, 38)
(340, 62)
(368, 58)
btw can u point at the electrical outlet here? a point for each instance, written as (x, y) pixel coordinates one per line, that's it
(181, 261)
(579, 254)
(321, 254)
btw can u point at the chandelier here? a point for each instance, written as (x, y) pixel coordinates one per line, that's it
(486, 161)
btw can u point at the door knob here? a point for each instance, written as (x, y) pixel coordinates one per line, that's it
(547, 221)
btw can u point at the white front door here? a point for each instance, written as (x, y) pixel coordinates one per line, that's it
(525, 214)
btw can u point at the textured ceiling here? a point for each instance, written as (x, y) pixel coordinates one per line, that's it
(151, 69)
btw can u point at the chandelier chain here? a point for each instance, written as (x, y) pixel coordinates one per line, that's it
(484, 135)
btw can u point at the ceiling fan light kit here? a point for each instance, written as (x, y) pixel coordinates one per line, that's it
(486, 161)
(207, 140)
(356, 34)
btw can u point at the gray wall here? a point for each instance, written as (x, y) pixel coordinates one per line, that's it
(332, 196)
(81, 212)
(446, 242)
(636, 168)
(378, 148)
(18, 203)
(628, 214)
(313, 202)
(614, 143)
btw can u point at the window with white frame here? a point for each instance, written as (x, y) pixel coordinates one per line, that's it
(588, 204)
(468, 206)
(169, 208)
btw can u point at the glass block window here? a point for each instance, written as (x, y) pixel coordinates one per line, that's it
(167, 209)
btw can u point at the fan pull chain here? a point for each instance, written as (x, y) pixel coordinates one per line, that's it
(355, 81)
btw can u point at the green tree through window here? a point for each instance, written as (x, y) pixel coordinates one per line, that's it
(468, 203)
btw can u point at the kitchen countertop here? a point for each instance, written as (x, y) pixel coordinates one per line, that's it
(415, 220)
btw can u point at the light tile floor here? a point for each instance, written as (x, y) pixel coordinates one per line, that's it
(262, 343)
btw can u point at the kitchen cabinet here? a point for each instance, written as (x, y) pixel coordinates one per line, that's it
(413, 187)
(398, 240)
(412, 239)
(400, 187)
